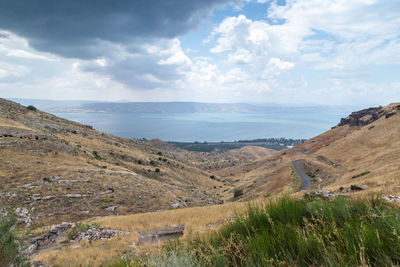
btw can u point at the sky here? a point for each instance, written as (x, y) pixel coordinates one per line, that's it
(331, 52)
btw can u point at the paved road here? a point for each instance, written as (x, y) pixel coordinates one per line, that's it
(305, 180)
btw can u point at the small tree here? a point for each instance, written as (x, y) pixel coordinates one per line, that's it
(32, 108)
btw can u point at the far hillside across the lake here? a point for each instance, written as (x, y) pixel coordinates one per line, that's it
(198, 122)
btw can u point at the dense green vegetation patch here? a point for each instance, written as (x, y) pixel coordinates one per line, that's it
(9, 245)
(291, 232)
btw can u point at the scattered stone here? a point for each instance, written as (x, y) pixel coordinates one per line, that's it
(23, 216)
(389, 115)
(75, 195)
(355, 187)
(36, 197)
(112, 208)
(8, 195)
(96, 234)
(48, 239)
(31, 186)
(48, 197)
(162, 234)
(106, 192)
(392, 198)
(326, 194)
(37, 264)
(76, 246)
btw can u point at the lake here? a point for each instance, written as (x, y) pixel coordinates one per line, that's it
(212, 127)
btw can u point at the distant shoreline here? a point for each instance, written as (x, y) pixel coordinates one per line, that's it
(271, 143)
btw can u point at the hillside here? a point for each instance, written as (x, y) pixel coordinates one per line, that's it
(54, 106)
(363, 149)
(56, 170)
(51, 166)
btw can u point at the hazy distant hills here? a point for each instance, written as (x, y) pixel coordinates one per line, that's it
(171, 107)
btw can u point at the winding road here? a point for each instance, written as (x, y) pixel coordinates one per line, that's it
(305, 180)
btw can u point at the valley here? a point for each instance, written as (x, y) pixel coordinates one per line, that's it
(54, 171)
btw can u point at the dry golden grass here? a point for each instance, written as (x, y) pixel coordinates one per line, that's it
(196, 220)
(100, 252)
(10, 123)
(346, 152)
(68, 150)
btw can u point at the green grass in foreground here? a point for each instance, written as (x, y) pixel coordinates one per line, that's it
(294, 232)
(9, 245)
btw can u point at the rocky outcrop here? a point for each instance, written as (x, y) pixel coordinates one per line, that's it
(48, 239)
(96, 234)
(363, 117)
(368, 116)
(162, 234)
(391, 198)
(328, 194)
(23, 216)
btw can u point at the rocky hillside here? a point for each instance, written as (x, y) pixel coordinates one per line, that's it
(363, 149)
(55, 170)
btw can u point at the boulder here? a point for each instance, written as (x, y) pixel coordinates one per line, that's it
(162, 234)
(355, 187)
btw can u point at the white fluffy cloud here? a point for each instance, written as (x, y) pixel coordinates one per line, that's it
(301, 51)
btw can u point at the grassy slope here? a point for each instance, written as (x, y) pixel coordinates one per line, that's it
(52, 157)
(328, 152)
(293, 232)
(334, 157)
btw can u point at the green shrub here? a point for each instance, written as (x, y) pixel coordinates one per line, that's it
(310, 174)
(292, 232)
(157, 170)
(96, 155)
(31, 108)
(9, 245)
(237, 192)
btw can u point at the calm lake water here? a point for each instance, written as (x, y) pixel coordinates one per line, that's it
(213, 127)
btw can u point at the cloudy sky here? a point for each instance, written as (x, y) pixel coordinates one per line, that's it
(293, 51)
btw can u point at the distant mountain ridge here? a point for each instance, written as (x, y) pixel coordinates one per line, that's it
(170, 107)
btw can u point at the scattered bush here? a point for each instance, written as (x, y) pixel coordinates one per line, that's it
(157, 170)
(237, 192)
(96, 155)
(212, 177)
(310, 174)
(31, 108)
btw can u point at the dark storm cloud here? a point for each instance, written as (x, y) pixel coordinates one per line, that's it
(135, 71)
(73, 28)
